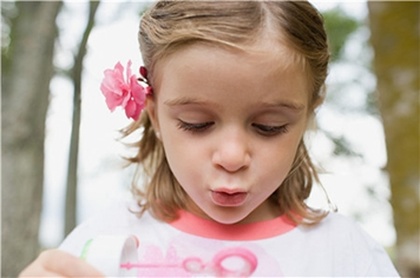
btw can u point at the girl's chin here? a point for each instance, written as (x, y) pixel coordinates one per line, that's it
(222, 215)
(243, 214)
(228, 216)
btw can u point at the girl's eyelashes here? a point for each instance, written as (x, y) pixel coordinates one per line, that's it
(265, 130)
(268, 130)
(194, 127)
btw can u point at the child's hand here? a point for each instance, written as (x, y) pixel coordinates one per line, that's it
(56, 263)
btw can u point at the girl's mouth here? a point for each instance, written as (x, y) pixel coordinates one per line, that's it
(228, 199)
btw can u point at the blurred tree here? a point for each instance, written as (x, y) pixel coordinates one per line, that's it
(76, 77)
(27, 68)
(339, 27)
(395, 32)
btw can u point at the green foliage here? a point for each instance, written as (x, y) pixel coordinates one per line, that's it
(8, 14)
(339, 27)
(343, 147)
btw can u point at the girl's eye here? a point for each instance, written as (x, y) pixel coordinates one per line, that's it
(268, 130)
(194, 127)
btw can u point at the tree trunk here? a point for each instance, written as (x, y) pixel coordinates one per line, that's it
(27, 68)
(76, 76)
(395, 38)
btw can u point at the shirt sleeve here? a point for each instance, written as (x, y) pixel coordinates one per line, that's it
(370, 254)
(381, 264)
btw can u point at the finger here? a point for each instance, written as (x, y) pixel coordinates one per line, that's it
(36, 270)
(70, 266)
(57, 262)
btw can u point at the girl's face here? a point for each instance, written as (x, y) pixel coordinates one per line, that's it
(230, 123)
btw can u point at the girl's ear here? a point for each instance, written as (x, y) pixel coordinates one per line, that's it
(152, 112)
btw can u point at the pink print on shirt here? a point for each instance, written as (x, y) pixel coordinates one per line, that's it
(187, 257)
(229, 262)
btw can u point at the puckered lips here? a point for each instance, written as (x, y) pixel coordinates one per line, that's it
(228, 197)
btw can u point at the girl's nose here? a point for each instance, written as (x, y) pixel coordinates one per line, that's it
(232, 152)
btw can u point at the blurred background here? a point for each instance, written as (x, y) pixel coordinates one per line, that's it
(62, 163)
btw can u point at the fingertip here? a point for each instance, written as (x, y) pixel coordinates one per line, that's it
(61, 262)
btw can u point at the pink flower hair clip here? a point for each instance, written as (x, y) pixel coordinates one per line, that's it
(126, 91)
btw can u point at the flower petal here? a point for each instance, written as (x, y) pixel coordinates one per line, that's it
(137, 91)
(112, 100)
(132, 110)
(113, 86)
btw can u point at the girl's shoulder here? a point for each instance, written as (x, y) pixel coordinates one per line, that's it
(339, 230)
(349, 244)
(333, 221)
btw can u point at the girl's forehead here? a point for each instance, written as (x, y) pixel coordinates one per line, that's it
(261, 72)
(271, 56)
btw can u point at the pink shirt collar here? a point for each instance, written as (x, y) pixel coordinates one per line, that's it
(192, 224)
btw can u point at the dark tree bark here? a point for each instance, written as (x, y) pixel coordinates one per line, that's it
(395, 37)
(76, 76)
(27, 68)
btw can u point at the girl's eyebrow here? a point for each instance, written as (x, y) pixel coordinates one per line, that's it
(184, 101)
(292, 105)
(289, 104)
(191, 101)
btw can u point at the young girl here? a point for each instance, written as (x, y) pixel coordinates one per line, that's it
(229, 90)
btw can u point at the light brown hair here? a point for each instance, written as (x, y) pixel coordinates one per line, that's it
(170, 25)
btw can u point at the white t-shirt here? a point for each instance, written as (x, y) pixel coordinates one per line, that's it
(191, 246)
